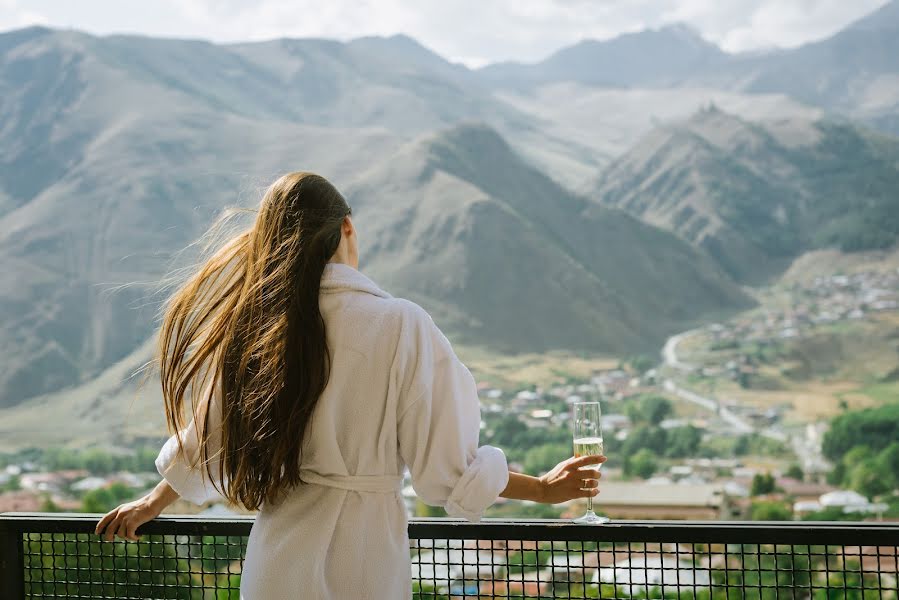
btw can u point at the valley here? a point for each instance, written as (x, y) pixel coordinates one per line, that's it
(554, 218)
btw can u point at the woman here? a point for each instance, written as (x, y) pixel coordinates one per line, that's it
(311, 390)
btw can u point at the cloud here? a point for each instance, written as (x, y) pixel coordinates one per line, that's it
(470, 31)
(474, 31)
(740, 25)
(13, 16)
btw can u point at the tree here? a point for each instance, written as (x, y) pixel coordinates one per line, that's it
(649, 438)
(544, 457)
(655, 409)
(830, 513)
(753, 443)
(795, 472)
(770, 511)
(521, 510)
(48, 505)
(642, 464)
(641, 363)
(105, 499)
(888, 464)
(683, 441)
(874, 428)
(13, 484)
(742, 446)
(762, 484)
(868, 479)
(426, 510)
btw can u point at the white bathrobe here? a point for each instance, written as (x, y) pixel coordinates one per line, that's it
(398, 396)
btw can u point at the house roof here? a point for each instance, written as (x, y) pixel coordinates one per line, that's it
(666, 494)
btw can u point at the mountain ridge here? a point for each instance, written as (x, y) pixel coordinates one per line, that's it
(116, 152)
(151, 139)
(491, 200)
(758, 194)
(650, 56)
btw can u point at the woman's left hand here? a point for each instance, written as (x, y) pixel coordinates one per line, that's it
(124, 520)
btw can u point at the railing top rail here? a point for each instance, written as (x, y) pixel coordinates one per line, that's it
(862, 533)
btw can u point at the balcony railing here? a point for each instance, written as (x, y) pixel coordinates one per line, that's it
(57, 556)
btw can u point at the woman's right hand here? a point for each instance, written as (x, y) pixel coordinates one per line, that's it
(566, 480)
(124, 520)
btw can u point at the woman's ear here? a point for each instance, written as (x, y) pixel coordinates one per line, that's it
(347, 228)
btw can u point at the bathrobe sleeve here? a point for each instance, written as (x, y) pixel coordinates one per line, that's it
(439, 424)
(184, 471)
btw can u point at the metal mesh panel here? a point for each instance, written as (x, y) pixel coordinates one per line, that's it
(448, 568)
(59, 565)
(192, 558)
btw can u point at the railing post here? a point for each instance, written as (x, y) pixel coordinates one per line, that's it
(12, 563)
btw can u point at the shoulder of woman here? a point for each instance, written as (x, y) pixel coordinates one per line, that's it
(410, 312)
(419, 328)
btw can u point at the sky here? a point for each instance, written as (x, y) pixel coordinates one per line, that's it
(474, 32)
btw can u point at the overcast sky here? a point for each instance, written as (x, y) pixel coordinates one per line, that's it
(470, 31)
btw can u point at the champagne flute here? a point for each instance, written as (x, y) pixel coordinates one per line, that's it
(587, 434)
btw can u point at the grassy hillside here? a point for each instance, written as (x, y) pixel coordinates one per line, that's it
(755, 195)
(505, 257)
(824, 339)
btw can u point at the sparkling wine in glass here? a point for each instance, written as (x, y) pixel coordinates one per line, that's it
(587, 434)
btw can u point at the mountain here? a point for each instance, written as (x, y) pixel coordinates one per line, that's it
(500, 255)
(651, 57)
(117, 152)
(885, 18)
(756, 194)
(106, 173)
(504, 256)
(854, 73)
(576, 130)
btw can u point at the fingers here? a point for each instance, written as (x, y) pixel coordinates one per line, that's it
(105, 521)
(582, 461)
(122, 530)
(131, 529)
(119, 523)
(588, 486)
(112, 527)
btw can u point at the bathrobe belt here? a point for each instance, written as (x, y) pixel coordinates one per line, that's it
(382, 484)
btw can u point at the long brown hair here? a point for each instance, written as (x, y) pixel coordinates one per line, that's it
(247, 326)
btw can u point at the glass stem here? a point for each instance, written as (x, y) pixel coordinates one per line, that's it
(590, 504)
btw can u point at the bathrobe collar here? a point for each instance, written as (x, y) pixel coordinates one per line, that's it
(340, 276)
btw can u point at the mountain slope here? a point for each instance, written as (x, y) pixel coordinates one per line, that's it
(104, 176)
(504, 257)
(117, 152)
(756, 194)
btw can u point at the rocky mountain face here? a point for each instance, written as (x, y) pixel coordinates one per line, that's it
(755, 195)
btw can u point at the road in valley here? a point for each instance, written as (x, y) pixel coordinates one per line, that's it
(739, 424)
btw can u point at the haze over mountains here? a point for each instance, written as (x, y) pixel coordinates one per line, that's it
(854, 72)
(590, 202)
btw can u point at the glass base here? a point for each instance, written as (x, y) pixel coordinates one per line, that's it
(591, 518)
